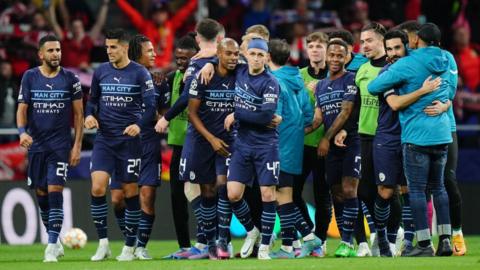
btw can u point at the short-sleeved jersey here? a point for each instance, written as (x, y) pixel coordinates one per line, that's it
(217, 101)
(49, 103)
(119, 95)
(255, 94)
(329, 97)
(388, 129)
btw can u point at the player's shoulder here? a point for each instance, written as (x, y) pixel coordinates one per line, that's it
(31, 72)
(68, 74)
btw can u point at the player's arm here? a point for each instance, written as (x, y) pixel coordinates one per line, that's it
(149, 102)
(317, 113)
(54, 22)
(22, 112)
(395, 75)
(78, 128)
(218, 145)
(266, 112)
(100, 22)
(92, 104)
(400, 102)
(338, 123)
(77, 105)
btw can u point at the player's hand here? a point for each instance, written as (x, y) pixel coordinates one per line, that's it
(25, 140)
(323, 147)
(75, 156)
(91, 122)
(220, 147)
(340, 138)
(206, 73)
(229, 121)
(276, 121)
(162, 125)
(132, 130)
(436, 108)
(430, 85)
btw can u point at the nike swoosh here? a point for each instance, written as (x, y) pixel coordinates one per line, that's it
(454, 72)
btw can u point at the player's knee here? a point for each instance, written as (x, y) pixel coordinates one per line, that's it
(268, 195)
(147, 199)
(98, 190)
(234, 196)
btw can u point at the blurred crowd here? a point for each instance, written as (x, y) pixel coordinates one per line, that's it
(80, 24)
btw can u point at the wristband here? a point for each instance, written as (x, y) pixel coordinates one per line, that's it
(21, 130)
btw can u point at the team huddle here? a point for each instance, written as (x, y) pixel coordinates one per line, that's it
(375, 131)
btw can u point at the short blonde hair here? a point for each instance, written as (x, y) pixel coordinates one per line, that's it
(318, 37)
(260, 30)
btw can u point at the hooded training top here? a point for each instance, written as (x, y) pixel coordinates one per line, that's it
(297, 113)
(408, 75)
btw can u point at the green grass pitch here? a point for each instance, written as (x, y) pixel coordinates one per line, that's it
(30, 257)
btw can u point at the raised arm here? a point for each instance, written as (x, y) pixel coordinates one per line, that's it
(53, 20)
(135, 17)
(102, 17)
(183, 14)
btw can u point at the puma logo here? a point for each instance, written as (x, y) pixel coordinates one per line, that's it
(129, 229)
(98, 222)
(117, 79)
(225, 85)
(49, 86)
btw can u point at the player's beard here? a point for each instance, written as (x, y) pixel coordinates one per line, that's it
(52, 64)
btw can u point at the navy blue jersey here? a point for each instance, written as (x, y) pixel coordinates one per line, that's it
(148, 132)
(182, 103)
(117, 95)
(256, 98)
(49, 103)
(330, 95)
(217, 101)
(388, 129)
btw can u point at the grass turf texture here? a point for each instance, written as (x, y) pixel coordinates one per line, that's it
(30, 257)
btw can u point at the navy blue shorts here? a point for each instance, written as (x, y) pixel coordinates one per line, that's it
(47, 168)
(388, 165)
(119, 158)
(286, 179)
(200, 164)
(343, 162)
(250, 163)
(151, 164)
